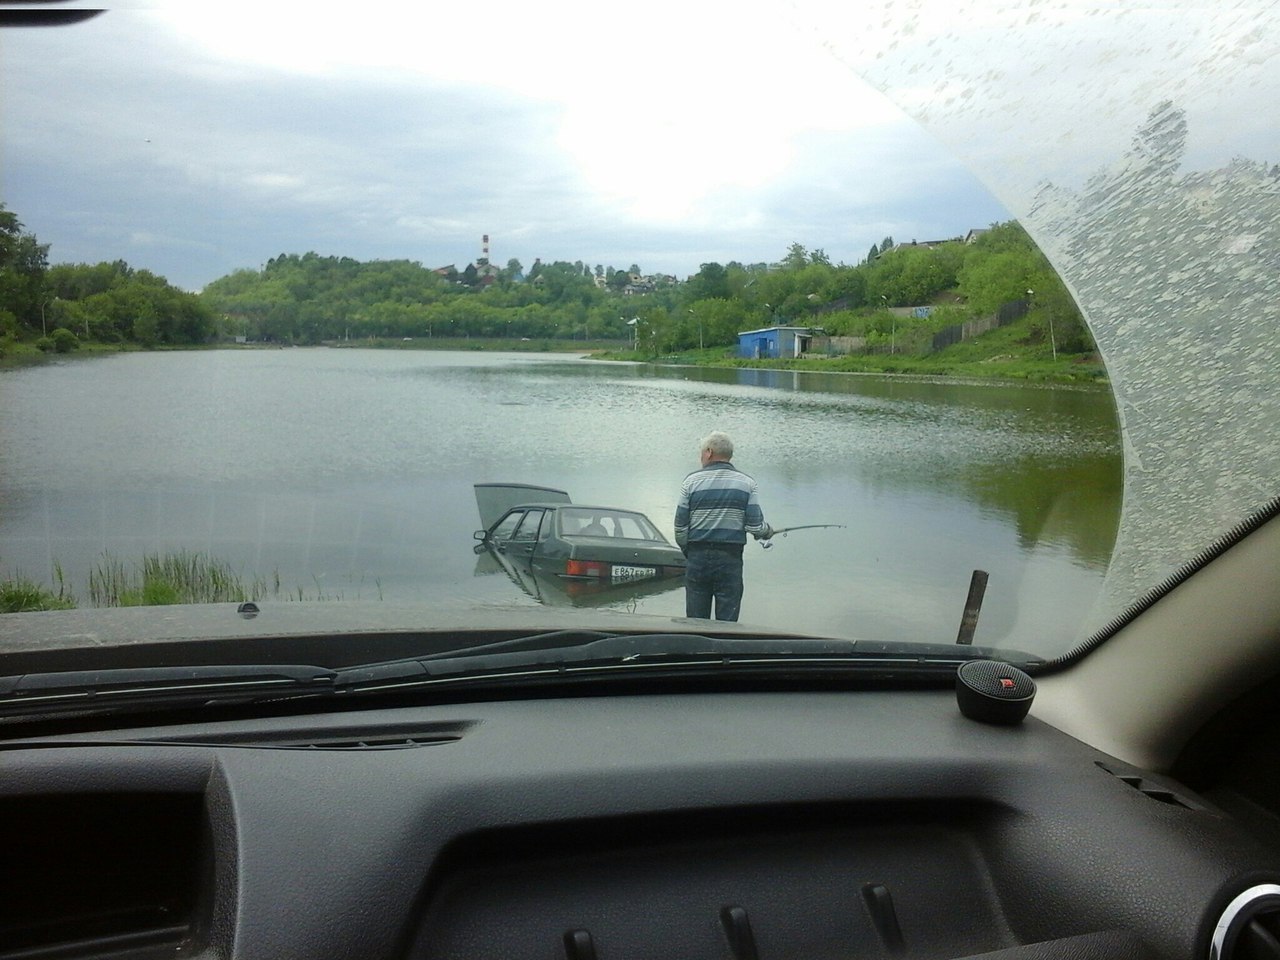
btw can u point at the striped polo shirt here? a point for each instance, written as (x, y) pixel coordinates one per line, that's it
(718, 506)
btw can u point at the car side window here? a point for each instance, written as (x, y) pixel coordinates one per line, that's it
(507, 525)
(527, 532)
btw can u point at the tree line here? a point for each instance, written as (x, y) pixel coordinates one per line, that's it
(310, 299)
(59, 306)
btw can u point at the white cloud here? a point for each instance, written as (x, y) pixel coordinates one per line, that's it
(566, 131)
(656, 110)
(275, 181)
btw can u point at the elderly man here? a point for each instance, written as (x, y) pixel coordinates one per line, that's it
(718, 507)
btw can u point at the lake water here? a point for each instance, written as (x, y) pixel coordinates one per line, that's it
(348, 473)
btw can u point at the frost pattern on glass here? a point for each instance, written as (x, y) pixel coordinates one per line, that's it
(1139, 147)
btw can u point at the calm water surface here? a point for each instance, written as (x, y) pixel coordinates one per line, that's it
(348, 473)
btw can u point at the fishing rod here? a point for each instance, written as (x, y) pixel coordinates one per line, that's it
(783, 531)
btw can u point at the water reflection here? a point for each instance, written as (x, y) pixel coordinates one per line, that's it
(556, 591)
(349, 473)
(1046, 459)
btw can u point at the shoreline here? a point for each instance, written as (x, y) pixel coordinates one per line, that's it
(1026, 372)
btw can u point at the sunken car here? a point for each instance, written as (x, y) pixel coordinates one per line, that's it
(550, 536)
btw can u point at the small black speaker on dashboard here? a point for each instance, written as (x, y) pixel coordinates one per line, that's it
(993, 692)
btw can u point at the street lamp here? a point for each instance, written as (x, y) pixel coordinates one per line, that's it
(893, 326)
(699, 319)
(634, 324)
(1053, 343)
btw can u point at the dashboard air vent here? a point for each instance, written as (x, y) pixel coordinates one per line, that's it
(369, 743)
(381, 737)
(1149, 788)
(1250, 926)
(99, 874)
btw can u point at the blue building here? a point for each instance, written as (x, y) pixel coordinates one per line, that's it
(774, 342)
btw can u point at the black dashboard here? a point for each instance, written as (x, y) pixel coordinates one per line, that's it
(719, 825)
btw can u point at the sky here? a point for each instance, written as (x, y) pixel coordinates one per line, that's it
(197, 139)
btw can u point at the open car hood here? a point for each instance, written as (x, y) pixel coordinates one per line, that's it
(495, 499)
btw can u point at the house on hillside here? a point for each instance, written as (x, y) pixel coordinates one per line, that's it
(921, 244)
(486, 273)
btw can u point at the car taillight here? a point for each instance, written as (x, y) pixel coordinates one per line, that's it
(586, 568)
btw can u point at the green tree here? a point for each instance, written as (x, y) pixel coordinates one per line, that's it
(713, 322)
(23, 262)
(64, 341)
(988, 281)
(796, 257)
(711, 281)
(911, 276)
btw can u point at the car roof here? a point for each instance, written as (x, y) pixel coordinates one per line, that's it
(573, 506)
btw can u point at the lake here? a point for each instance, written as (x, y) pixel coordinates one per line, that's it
(348, 473)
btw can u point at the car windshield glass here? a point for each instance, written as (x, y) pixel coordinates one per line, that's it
(296, 302)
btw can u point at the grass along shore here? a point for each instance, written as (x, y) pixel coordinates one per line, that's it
(1002, 354)
(18, 354)
(155, 580)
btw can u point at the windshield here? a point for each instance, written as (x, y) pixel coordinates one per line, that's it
(292, 302)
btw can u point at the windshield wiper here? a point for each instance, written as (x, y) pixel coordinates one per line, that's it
(539, 657)
(567, 654)
(109, 689)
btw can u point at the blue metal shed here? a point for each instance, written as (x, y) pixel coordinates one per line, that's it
(774, 342)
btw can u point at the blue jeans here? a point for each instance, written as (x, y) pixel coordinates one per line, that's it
(713, 574)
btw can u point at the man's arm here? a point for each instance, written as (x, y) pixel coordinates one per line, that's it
(754, 522)
(682, 519)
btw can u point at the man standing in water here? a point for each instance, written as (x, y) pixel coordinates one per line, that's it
(718, 507)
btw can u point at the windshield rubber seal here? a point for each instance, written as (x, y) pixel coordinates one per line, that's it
(1234, 536)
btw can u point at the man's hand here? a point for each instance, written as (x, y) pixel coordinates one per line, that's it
(764, 533)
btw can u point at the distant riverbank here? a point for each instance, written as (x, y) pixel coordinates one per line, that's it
(959, 362)
(993, 357)
(1064, 371)
(20, 354)
(492, 344)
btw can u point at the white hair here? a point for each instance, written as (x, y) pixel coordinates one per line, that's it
(719, 444)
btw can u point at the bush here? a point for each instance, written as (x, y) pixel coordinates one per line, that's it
(168, 578)
(20, 595)
(44, 344)
(64, 341)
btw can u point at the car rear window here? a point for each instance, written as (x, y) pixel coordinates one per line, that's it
(606, 523)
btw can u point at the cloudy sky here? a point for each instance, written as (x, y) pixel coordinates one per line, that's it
(196, 139)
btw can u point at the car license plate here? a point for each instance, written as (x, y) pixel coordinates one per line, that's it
(624, 574)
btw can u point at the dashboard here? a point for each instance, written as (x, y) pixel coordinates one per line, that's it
(781, 824)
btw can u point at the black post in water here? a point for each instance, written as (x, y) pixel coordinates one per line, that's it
(972, 607)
